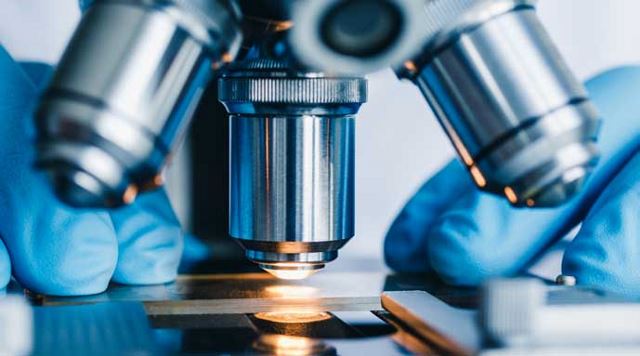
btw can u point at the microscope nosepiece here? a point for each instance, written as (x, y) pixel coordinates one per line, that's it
(291, 163)
(124, 92)
(519, 120)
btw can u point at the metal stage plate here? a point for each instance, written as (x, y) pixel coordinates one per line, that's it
(329, 313)
(260, 292)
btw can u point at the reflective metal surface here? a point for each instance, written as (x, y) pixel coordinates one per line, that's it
(124, 92)
(249, 293)
(247, 313)
(239, 313)
(519, 119)
(451, 330)
(356, 36)
(92, 329)
(291, 163)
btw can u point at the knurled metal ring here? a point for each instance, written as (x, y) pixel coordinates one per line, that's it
(271, 81)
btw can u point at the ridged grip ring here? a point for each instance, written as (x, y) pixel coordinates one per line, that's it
(293, 90)
(270, 81)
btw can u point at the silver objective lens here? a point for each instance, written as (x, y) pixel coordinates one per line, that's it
(292, 163)
(124, 92)
(355, 36)
(520, 121)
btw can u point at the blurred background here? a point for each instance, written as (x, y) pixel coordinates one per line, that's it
(399, 143)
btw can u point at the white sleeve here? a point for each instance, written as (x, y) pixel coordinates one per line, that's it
(37, 30)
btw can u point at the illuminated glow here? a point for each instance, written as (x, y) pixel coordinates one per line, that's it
(130, 194)
(155, 183)
(411, 66)
(271, 25)
(293, 317)
(291, 291)
(291, 270)
(158, 180)
(291, 274)
(478, 177)
(290, 345)
(511, 195)
(227, 57)
(283, 25)
(292, 342)
(531, 202)
(458, 144)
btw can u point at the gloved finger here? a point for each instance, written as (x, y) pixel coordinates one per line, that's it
(38, 73)
(5, 266)
(149, 235)
(606, 252)
(84, 4)
(53, 249)
(405, 245)
(195, 252)
(481, 236)
(150, 240)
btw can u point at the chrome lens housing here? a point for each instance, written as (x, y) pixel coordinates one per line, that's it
(518, 118)
(124, 92)
(292, 143)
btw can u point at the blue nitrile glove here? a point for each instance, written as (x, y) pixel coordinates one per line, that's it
(466, 236)
(52, 249)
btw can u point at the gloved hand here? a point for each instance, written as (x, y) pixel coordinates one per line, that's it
(466, 236)
(52, 249)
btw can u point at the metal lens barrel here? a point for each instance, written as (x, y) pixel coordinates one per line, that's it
(520, 121)
(124, 92)
(292, 163)
(355, 36)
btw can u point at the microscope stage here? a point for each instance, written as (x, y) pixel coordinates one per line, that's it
(233, 313)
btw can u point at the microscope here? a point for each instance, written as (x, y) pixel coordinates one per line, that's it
(290, 74)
